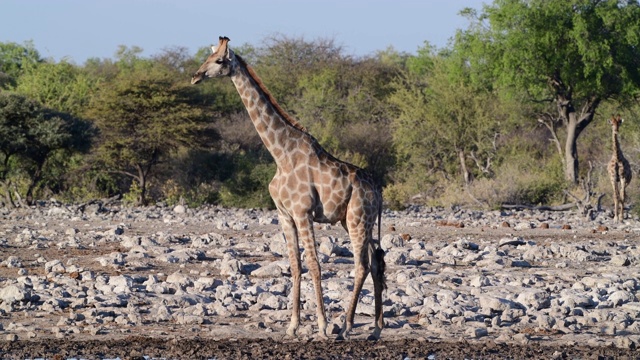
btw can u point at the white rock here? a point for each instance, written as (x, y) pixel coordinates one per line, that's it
(534, 299)
(12, 262)
(179, 279)
(179, 209)
(272, 270)
(278, 245)
(620, 260)
(476, 332)
(480, 281)
(14, 293)
(620, 297)
(55, 266)
(391, 241)
(271, 301)
(495, 304)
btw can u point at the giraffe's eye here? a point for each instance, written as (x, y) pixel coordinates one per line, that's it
(219, 61)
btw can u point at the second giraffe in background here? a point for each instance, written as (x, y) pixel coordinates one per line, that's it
(619, 170)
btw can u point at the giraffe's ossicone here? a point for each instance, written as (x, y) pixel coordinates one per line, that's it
(310, 185)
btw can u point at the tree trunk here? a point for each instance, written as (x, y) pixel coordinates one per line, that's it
(571, 168)
(142, 181)
(575, 123)
(466, 175)
(34, 182)
(8, 200)
(6, 184)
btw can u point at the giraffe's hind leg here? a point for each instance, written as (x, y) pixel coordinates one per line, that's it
(616, 197)
(361, 270)
(377, 273)
(623, 186)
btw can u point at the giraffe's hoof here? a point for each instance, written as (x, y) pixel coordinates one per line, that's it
(291, 332)
(322, 334)
(343, 336)
(375, 336)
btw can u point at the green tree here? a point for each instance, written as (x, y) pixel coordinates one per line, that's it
(15, 112)
(569, 54)
(143, 115)
(61, 86)
(445, 123)
(13, 59)
(30, 135)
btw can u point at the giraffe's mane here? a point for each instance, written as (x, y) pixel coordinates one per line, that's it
(290, 119)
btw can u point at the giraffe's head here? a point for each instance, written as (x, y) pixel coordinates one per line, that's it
(615, 122)
(218, 64)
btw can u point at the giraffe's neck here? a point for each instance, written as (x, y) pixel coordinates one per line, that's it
(275, 127)
(617, 152)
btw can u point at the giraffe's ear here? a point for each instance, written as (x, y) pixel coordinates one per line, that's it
(213, 49)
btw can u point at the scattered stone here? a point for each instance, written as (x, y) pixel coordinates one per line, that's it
(516, 241)
(620, 260)
(14, 293)
(110, 279)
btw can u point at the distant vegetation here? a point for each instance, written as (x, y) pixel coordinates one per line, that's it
(513, 111)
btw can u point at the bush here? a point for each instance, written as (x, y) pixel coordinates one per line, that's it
(249, 187)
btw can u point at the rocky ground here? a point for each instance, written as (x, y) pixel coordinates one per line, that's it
(160, 282)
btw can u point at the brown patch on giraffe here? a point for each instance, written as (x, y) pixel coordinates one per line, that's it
(277, 153)
(302, 188)
(255, 114)
(291, 182)
(325, 178)
(302, 174)
(281, 137)
(271, 137)
(269, 111)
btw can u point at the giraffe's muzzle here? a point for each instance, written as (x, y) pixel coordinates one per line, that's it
(196, 78)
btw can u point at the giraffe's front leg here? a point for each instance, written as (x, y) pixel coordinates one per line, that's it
(305, 230)
(293, 251)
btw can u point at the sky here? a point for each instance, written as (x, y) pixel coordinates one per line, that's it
(80, 29)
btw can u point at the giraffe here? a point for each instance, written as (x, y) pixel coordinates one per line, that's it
(310, 185)
(619, 170)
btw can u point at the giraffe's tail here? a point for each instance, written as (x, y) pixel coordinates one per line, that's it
(378, 253)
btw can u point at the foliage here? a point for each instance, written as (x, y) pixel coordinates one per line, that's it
(13, 59)
(571, 55)
(33, 136)
(445, 122)
(143, 115)
(248, 183)
(61, 86)
(465, 125)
